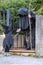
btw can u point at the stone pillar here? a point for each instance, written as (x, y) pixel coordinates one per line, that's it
(39, 35)
(8, 21)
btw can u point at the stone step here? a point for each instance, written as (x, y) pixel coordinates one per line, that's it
(22, 51)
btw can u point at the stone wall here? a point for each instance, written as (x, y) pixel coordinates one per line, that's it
(1, 42)
(39, 35)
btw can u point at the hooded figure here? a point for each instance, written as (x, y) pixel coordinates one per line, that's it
(23, 21)
(8, 41)
(24, 24)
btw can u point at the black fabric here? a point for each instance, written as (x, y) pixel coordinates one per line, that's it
(8, 42)
(23, 12)
(6, 49)
(24, 19)
(6, 28)
(23, 22)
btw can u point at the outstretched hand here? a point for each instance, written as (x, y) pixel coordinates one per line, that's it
(18, 30)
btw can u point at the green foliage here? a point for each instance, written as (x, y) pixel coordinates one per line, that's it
(35, 5)
(16, 4)
(1, 28)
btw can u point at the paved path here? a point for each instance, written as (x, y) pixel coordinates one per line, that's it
(20, 60)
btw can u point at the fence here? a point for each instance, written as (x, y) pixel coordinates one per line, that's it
(19, 41)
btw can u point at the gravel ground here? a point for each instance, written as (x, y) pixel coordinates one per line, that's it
(20, 60)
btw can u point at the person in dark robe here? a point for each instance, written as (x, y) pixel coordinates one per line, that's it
(8, 40)
(27, 18)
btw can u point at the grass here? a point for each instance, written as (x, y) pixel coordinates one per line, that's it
(28, 54)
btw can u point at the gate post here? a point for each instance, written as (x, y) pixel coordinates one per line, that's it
(39, 35)
(8, 20)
